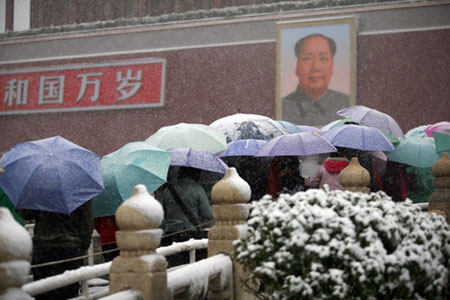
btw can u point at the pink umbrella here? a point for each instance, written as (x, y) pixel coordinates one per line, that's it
(437, 127)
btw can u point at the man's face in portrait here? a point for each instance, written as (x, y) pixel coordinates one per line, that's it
(315, 66)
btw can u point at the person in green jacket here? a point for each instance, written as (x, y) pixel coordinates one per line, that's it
(181, 220)
(425, 188)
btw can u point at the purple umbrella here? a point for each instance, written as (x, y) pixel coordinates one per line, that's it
(302, 143)
(306, 128)
(373, 118)
(247, 147)
(358, 137)
(194, 158)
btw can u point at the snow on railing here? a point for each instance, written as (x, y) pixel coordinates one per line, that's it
(124, 295)
(193, 280)
(88, 272)
(423, 205)
(66, 278)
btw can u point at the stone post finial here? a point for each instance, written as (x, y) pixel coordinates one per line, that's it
(354, 177)
(139, 267)
(440, 198)
(230, 210)
(15, 250)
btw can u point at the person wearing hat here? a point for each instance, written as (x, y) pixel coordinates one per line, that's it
(313, 103)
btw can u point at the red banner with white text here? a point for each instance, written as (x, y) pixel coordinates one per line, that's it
(124, 84)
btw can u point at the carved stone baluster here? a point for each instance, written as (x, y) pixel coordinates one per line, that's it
(354, 177)
(439, 200)
(139, 267)
(230, 210)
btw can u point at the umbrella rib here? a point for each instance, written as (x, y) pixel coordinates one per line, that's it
(24, 188)
(63, 191)
(89, 175)
(150, 172)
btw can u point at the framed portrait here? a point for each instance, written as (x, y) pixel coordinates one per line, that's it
(316, 67)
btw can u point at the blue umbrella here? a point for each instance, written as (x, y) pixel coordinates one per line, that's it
(302, 143)
(358, 137)
(194, 158)
(248, 147)
(51, 174)
(135, 163)
(290, 127)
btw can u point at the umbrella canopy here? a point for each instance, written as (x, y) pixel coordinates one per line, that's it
(303, 143)
(289, 127)
(372, 117)
(413, 151)
(438, 127)
(358, 137)
(200, 159)
(248, 147)
(418, 131)
(189, 135)
(442, 142)
(306, 128)
(248, 126)
(51, 174)
(338, 123)
(134, 163)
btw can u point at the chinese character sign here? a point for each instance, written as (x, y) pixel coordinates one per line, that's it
(102, 86)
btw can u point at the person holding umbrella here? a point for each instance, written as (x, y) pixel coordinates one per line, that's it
(60, 237)
(186, 207)
(52, 181)
(329, 172)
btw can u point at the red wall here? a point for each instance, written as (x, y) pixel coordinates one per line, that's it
(403, 74)
(406, 75)
(202, 85)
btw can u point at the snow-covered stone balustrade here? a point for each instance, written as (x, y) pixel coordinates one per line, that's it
(15, 250)
(139, 267)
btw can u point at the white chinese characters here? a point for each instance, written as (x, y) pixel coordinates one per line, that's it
(16, 90)
(88, 87)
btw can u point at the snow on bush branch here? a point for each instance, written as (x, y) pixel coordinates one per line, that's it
(322, 244)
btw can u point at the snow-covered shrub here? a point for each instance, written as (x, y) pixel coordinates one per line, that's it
(322, 244)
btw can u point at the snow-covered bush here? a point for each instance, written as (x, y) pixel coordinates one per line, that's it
(322, 244)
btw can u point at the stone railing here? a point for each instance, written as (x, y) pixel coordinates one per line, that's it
(140, 268)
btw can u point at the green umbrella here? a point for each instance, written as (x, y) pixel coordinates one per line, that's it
(189, 135)
(6, 202)
(414, 151)
(442, 142)
(135, 163)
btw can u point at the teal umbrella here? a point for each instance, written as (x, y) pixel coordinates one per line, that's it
(135, 163)
(414, 151)
(189, 135)
(442, 142)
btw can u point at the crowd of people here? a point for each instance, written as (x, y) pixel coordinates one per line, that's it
(188, 212)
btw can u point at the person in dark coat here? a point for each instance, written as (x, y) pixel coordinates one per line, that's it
(397, 182)
(59, 237)
(284, 176)
(178, 225)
